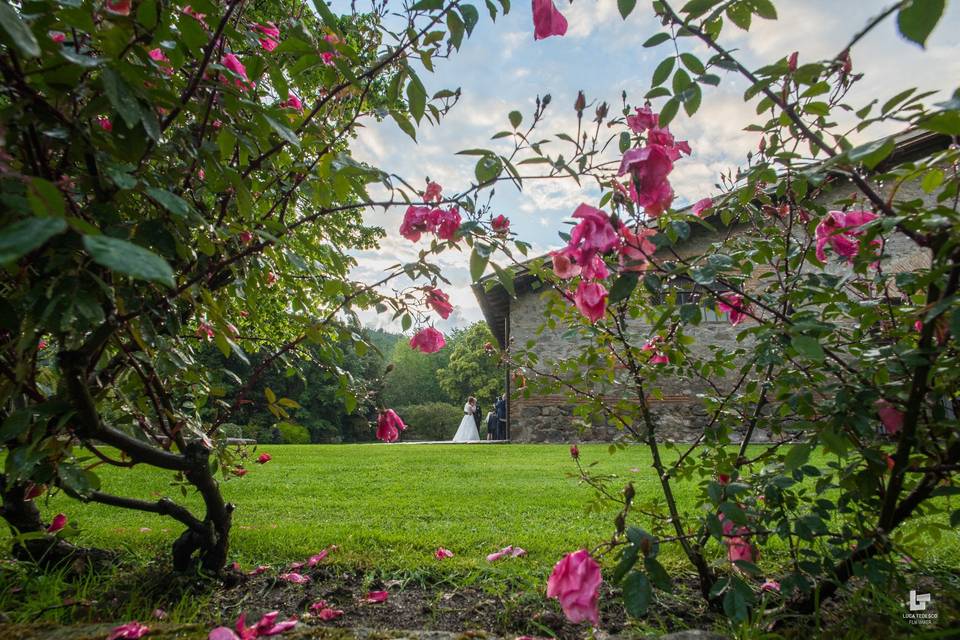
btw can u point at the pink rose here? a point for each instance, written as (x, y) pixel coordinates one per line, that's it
(595, 269)
(232, 62)
(292, 102)
(59, 522)
(575, 582)
(57, 36)
(593, 234)
(416, 221)
(428, 340)
(105, 123)
(732, 304)
(432, 193)
(439, 302)
(574, 452)
(547, 20)
(635, 249)
(740, 549)
(792, 61)
(449, 224)
(118, 8)
(389, 426)
(701, 206)
(563, 266)
(890, 416)
(441, 553)
(841, 230)
(500, 225)
(591, 300)
(649, 168)
(264, 458)
(644, 119)
(770, 585)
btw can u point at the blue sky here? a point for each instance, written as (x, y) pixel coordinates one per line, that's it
(502, 68)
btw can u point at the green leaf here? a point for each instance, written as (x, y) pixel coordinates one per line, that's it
(658, 575)
(416, 96)
(872, 154)
(20, 238)
(735, 605)
(696, 8)
(487, 169)
(669, 111)
(427, 5)
(128, 258)
(478, 264)
(14, 426)
(657, 38)
(455, 25)
(627, 560)
(637, 594)
(809, 347)
(404, 124)
(505, 276)
(45, 199)
(764, 9)
(740, 14)
(662, 72)
(470, 17)
(283, 131)
(625, 7)
(515, 118)
(917, 20)
(18, 31)
(624, 142)
(121, 97)
(328, 18)
(690, 314)
(797, 456)
(623, 287)
(170, 201)
(78, 479)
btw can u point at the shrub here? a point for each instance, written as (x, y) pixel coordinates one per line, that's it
(293, 433)
(431, 420)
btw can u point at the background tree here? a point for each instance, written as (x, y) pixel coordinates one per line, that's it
(473, 366)
(414, 377)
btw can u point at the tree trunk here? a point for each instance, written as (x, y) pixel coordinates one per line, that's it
(23, 517)
(213, 543)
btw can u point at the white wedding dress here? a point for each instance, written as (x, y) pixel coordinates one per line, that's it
(468, 426)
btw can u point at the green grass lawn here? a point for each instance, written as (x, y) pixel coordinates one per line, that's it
(388, 507)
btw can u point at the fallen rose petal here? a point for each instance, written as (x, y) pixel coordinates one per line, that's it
(442, 553)
(295, 578)
(159, 614)
(318, 605)
(223, 633)
(770, 585)
(329, 614)
(129, 631)
(261, 569)
(377, 596)
(313, 560)
(59, 522)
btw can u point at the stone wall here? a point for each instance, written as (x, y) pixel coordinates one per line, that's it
(679, 415)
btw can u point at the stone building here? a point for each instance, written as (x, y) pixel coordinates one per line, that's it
(517, 320)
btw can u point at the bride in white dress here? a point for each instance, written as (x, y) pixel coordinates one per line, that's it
(468, 426)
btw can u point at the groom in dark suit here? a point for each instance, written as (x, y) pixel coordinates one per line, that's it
(500, 408)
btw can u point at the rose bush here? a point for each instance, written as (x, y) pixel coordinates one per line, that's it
(839, 265)
(179, 174)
